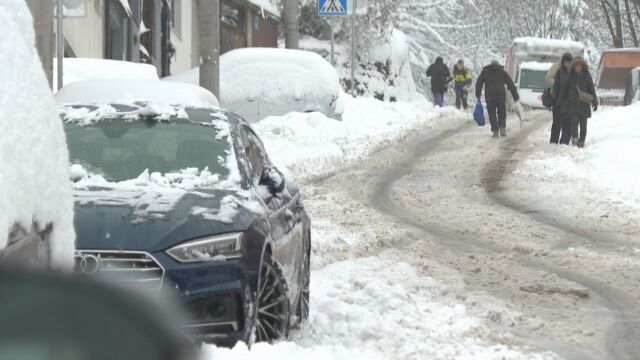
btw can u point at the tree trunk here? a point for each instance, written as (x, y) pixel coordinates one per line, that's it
(291, 32)
(209, 34)
(632, 29)
(619, 39)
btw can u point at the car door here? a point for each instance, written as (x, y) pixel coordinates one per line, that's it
(285, 214)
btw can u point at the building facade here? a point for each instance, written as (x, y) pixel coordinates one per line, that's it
(164, 33)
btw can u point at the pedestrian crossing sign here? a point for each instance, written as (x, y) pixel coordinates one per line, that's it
(332, 7)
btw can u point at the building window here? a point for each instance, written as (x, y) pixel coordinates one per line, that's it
(256, 22)
(176, 16)
(232, 16)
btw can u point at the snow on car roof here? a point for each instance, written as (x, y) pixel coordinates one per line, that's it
(78, 69)
(555, 43)
(622, 50)
(536, 66)
(270, 74)
(129, 91)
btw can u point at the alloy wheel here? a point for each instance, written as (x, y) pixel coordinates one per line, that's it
(272, 319)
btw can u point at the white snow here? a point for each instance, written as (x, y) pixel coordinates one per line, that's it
(78, 69)
(599, 181)
(257, 82)
(266, 5)
(536, 66)
(309, 145)
(34, 180)
(539, 45)
(110, 91)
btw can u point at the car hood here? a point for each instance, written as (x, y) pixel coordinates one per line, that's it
(156, 221)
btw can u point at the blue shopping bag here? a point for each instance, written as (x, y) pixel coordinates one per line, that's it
(478, 114)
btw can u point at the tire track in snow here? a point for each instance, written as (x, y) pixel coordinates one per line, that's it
(622, 337)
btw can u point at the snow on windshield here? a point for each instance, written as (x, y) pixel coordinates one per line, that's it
(151, 192)
(34, 184)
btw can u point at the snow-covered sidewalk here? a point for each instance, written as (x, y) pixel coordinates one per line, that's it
(598, 183)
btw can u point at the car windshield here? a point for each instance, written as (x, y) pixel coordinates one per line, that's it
(532, 79)
(121, 150)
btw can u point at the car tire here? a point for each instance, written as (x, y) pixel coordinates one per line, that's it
(302, 310)
(272, 303)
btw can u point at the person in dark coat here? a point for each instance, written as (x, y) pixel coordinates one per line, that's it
(576, 106)
(561, 124)
(462, 83)
(493, 78)
(439, 73)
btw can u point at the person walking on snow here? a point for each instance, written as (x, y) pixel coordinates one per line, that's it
(462, 83)
(493, 78)
(558, 74)
(577, 98)
(439, 73)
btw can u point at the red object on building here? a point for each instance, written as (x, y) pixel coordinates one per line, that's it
(615, 67)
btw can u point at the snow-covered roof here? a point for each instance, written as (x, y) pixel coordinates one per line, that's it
(270, 73)
(266, 6)
(130, 91)
(78, 69)
(622, 50)
(536, 66)
(34, 180)
(553, 43)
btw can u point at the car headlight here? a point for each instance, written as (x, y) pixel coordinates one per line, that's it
(220, 247)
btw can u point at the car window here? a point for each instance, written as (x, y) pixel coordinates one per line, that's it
(256, 156)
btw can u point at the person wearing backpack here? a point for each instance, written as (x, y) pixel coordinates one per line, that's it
(576, 98)
(556, 75)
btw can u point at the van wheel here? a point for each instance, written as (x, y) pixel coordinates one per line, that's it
(302, 311)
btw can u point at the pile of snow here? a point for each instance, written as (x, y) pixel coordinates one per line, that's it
(308, 145)
(601, 180)
(79, 69)
(34, 180)
(131, 91)
(372, 308)
(258, 82)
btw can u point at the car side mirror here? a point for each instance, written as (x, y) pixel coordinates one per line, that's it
(273, 179)
(51, 316)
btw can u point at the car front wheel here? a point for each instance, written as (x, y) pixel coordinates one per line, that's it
(272, 317)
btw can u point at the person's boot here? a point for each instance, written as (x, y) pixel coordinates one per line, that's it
(580, 144)
(503, 132)
(495, 134)
(574, 141)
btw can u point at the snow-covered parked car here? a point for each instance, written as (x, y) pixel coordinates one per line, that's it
(174, 194)
(36, 207)
(260, 82)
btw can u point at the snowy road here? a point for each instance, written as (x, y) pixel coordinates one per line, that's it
(449, 186)
(427, 249)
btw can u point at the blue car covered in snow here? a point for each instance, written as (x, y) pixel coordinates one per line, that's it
(184, 199)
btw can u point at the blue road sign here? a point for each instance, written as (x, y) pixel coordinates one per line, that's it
(332, 7)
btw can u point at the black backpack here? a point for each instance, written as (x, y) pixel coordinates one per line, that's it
(547, 98)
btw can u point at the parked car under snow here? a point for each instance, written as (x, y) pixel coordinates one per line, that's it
(182, 197)
(260, 82)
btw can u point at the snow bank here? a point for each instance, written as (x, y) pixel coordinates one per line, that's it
(34, 180)
(308, 145)
(266, 5)
(600, 180)
(112, 91)
(78, 69)
(372, 308)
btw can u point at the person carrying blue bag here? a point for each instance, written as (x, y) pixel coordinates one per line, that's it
(478, 114)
